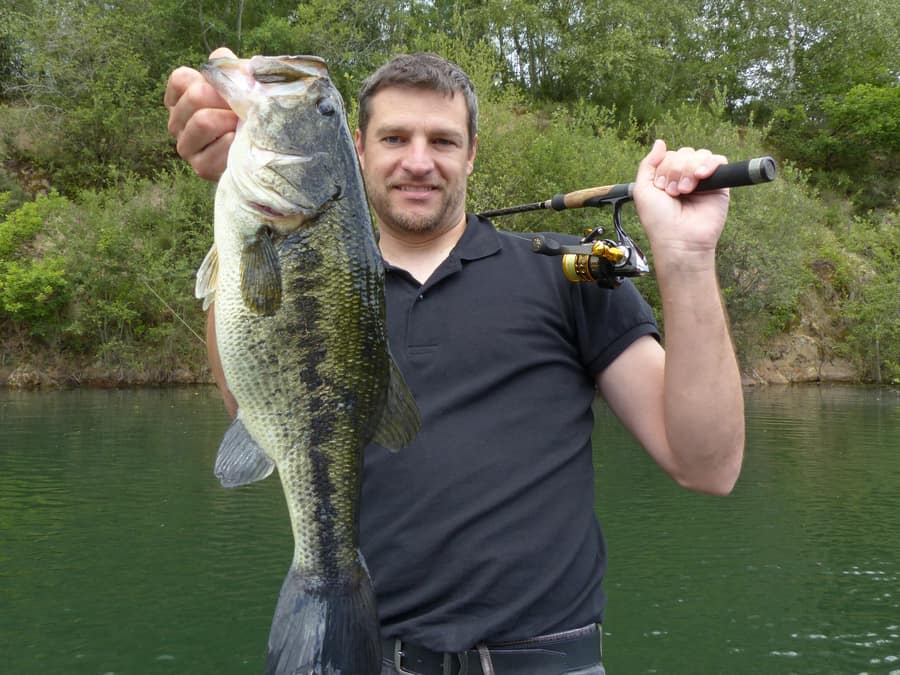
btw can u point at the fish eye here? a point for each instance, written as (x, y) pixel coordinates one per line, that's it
(325, 107)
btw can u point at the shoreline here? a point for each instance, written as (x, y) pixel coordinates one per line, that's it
(788, 359)
(27, 376)
(766, 372)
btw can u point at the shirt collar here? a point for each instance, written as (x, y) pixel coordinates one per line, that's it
(480, 239)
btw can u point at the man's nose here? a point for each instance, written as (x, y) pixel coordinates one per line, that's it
(418, 158)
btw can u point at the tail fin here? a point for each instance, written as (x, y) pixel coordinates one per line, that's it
(325, 629)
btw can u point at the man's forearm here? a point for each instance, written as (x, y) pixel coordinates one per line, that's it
(703, 397)
(215, 363)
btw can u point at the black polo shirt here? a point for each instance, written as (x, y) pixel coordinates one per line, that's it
(483, 529)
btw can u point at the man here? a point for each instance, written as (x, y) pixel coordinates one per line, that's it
(480, 536)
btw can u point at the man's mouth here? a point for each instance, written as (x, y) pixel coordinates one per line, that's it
(416, 189)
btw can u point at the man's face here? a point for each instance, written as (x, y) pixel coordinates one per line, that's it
(416, 157)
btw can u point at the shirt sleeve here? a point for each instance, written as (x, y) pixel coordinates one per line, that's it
(608, 321)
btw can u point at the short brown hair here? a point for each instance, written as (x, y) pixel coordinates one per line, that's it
(422, 70)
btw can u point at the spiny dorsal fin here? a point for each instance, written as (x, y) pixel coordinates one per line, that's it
(400, 420)
(240, 460)
(207, 278)
(261, 275)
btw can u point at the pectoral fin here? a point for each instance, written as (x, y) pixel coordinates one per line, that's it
(400, 421)
(207, 277)
(261, 275)
(240, 460)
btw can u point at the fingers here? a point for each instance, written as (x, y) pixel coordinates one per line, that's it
(222, 52)
(200, 120)
(187, 93)
(203, 127)
(184, 80)
(678, 172)
(209, 162)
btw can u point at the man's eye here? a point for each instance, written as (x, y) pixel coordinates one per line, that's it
(446, 143)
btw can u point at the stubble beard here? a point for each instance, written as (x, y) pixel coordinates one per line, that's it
(398, 219)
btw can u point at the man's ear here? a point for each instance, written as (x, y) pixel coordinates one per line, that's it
(470, 162)
(358, 141)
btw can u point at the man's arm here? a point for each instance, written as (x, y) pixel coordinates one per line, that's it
(685, 404)
(215, 363)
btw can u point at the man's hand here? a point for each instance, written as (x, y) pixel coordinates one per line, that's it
(200, 120)
(678, 223)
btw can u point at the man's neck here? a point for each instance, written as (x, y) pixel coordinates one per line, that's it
(419, 253)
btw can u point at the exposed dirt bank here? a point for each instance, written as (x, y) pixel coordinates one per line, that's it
(30, 376)
(790, 359)
(799, 359)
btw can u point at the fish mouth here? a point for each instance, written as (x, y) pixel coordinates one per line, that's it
(300, 213)
(290, 217)
(269, 211)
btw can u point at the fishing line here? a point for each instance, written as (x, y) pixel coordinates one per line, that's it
(171, 309)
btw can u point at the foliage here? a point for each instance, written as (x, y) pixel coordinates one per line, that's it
(871, 304)
(21, 226)
(852, 147)
(527, 156)
(33, 284)
(92, 285)
(33, 292)
(571, 95)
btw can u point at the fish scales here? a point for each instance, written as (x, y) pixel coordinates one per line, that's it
(316, 435)
(298, 287)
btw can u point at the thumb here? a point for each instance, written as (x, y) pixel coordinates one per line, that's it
(647, 168)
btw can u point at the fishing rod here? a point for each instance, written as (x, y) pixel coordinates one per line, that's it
(607, 261)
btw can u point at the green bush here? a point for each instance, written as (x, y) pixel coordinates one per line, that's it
(151, 236)
(851, 143)
(22, 225)
(110, 277)
(33, 293)
(34, 287)
(872, 305)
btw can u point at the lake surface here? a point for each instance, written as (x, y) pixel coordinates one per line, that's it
(120, 553)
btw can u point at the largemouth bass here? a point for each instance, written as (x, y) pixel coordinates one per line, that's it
(297, 281)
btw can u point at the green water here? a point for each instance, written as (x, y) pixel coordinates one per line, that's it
(119, 552)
